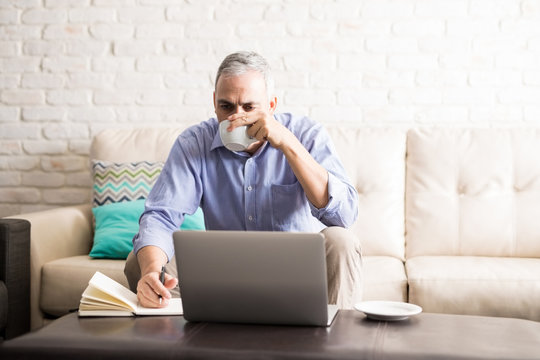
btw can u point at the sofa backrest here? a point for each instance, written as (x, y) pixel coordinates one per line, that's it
(374, 159)
(473, 192)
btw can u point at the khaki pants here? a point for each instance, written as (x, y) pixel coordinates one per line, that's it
(343, 263)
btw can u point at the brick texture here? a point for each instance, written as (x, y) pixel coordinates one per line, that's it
(70, 68)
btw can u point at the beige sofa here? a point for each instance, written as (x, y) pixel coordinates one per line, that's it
(449, 219)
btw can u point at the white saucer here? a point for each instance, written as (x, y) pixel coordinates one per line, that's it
(388, 310)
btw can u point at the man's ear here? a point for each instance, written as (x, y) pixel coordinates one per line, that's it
(273, 105)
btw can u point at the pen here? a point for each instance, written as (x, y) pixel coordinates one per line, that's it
(162, 279)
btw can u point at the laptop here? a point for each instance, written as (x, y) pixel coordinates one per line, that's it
(253, 277)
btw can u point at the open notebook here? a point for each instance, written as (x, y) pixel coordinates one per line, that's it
(105, 297)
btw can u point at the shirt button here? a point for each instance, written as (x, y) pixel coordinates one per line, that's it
(249, 188)
(250, 218)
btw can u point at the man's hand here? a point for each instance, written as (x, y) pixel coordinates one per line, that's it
(262, 126)
(149, 287)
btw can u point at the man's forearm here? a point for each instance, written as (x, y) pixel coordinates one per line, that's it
(151, 259)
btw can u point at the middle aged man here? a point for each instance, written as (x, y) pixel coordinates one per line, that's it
(290, 179)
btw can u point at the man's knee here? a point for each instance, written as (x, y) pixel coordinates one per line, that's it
(341, 240)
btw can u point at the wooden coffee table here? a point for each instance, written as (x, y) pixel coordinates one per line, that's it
(351, 336)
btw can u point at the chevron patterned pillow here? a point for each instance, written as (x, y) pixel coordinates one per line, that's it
(117, 182)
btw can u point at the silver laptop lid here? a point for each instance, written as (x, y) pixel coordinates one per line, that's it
(252, 277)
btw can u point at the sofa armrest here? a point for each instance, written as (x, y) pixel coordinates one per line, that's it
(15, 276)
(56, 233)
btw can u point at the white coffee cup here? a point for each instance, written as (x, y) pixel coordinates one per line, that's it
(236, 140)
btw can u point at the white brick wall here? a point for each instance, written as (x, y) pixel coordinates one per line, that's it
(69, 68)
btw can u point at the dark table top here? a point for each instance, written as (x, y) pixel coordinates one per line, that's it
(351, 336)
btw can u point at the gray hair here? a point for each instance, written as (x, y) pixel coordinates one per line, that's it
(240, 62)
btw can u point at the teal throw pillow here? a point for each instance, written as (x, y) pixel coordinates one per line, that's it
(117, 223)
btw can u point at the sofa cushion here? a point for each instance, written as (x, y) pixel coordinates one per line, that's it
(384, 278)
(490, 286)
(374, 159)
(473, 192)
(64, 280)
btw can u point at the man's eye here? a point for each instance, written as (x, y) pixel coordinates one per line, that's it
(248, 107)
(225, 106)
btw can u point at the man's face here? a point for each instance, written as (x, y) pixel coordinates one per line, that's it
(241, 93)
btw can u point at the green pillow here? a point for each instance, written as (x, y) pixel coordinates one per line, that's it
(117, 224)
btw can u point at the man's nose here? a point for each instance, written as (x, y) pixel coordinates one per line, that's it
(239, 109)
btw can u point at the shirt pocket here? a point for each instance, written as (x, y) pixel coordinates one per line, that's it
(290, 208)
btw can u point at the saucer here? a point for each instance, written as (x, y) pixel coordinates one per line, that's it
(388, 310)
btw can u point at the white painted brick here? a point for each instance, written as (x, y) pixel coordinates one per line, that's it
(472, 26)
(9, 178)
(419, 27)
(63, 163)
(41, 113)
(9, 81)
(441, 78)
(386, 79)
(186, 114)
(112, 31)
(138, 81)
(19, 162)
(310, 30)
(370, 97)
(531, 78)
(185, 46)
(304, 64)
(137, 48)
(210, 30)
(442, 8)
(20, 32)
(43, 179)
(9, 48)
(388, 45)
(19, 4)
(362, 62)
(499, 44)
(91, 114)
(44, 16)
(494, 8)
(188, 80)
(66, 132)
(42, 81)
(387, 8)
(90, 80)
(9, 16)
(283, 12)
(188, 12)
(467, 61)
(65, 31)
(236, 13)
(9, 114)
(457, 44)
(66, 3)
(19, 64)
(519, 95)
(196, 63)
(19, 195)
(495, 78)
(44, 147)
(365, 27)
(66, 196)
(418, 96)
(114, 97)
(469, 96)
(531, 8)
(284, 79)
(79, 179)
(10, 210)
(87, 48)
(92, 15)
(337, 115)
(496, 114)
(531, 114)
(10, 147)
(18, 131)
(525, 27)
(335, 11)
(143, 14)
(162, 63)
(23, 97)
(43, 48)
(65, 64)
(159, 31)
(330, 79)
(113, 65)
(518, 60)
(159, 97)
(413, 61)
(388, 115)
(69, 97)
(435, 115)
(138, 114)
(80, 147)
(117, 3)
(199, 97)
(309, 97)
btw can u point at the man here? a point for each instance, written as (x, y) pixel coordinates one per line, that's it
(290, 179)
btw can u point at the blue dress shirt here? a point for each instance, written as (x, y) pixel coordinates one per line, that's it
(237, 191)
